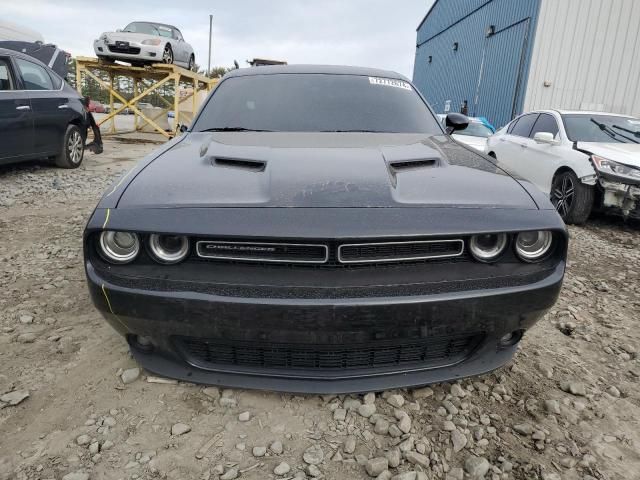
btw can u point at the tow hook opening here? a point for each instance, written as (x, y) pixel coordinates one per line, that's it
(510, 339)
(141, 343)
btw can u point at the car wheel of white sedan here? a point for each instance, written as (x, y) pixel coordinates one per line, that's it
(573, 199)
(167, 55)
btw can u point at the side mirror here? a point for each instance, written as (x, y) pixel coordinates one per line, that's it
(182, 127)
(456, 121)
(545, 137)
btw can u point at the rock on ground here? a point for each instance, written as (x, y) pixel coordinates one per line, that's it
(130, 375)
(313, 455)
(180, 429)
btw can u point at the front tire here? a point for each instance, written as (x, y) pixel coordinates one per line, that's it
(72, 151)
(192, 63)
(167, 54)
(572, 198)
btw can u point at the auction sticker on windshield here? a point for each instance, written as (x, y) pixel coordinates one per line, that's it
(389, 82)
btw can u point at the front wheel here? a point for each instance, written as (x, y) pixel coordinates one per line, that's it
(72, 148)
(572, 198)
(192, 63)
(167, 54)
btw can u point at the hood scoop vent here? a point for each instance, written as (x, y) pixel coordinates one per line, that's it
(241, 163)
(400, 165)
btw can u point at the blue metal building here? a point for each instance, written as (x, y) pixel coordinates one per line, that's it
(476, 51)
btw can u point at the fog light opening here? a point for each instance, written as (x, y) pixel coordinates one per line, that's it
(511, 338)
(141, 343)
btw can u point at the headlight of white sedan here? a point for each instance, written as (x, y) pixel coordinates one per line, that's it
(605, 165)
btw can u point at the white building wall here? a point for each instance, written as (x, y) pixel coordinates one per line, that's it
(586, 56)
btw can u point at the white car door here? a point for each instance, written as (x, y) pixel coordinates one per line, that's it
(544, 159)
(181, 47)
(511, 148)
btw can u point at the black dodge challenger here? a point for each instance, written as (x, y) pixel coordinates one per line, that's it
(316, 230)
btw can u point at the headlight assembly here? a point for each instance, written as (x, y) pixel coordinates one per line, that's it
(488, 247)
(119, 247)
(605, 165)
(152, 41)
(533, 246)
(168, 249)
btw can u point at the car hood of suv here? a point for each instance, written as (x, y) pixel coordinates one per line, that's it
(256, 169)
(627, 153)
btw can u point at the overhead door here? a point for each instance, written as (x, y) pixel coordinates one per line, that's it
(501, 76)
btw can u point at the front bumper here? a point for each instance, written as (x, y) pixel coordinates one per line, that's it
(250, 333)
(135, 51)
(620, 196)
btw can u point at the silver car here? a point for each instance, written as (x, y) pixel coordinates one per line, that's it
(146, 42)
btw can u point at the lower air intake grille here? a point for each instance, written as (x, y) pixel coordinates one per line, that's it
(399, 251)
(423, 352)
(124, 49)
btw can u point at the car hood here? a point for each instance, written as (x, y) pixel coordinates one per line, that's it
(247, 169)
(627, 153)
(129, 37)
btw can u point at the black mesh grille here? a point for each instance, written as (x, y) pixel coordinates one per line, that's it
(330, 253)
(262, 355)
(379, 252)
(124, 49)
(266, 252)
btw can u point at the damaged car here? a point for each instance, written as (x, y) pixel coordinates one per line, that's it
(316, 230)
(585, 161)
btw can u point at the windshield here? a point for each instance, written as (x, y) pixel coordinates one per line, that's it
(602, 128)
(475, 129)
(148, 29)
(316, 103)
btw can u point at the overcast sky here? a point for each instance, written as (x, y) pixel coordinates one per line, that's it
(372, 33)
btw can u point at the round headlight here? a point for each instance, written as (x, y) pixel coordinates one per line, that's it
(168, 248)
(119, 247)
(487, 247)
(533, 246)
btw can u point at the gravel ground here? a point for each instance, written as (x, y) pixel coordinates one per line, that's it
(73, 404)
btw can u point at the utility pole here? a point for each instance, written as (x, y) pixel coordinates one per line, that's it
(210, 34)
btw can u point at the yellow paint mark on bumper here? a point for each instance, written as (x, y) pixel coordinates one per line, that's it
(106, 297)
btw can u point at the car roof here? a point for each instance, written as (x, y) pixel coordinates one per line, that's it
(587, 112)
(578, 112)
(318, 69)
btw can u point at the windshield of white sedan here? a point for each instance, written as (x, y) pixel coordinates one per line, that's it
(316, 103)
(148, 29)
(602, 128)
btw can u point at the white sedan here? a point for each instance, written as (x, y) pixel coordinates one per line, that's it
(583, 160)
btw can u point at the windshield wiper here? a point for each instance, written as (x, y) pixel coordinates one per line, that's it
(635, 133)
(608, 130)
(234, 129)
